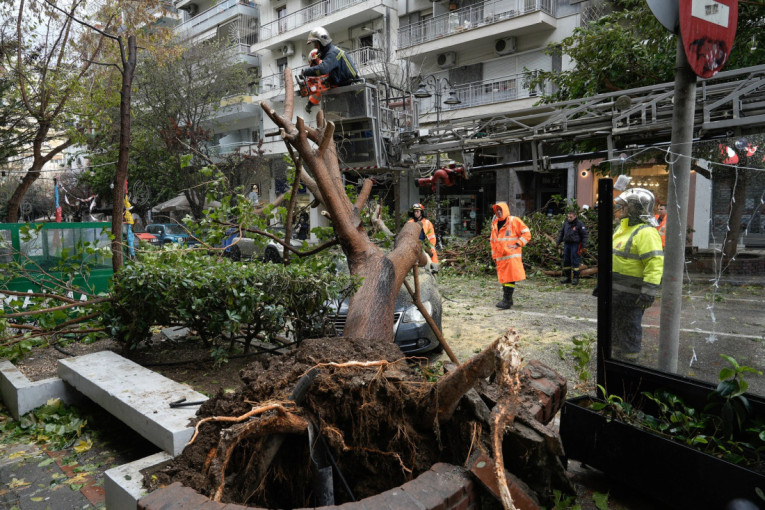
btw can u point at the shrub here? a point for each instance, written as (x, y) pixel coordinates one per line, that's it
(221, 299)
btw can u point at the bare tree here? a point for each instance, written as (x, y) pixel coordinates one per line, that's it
(47, 66)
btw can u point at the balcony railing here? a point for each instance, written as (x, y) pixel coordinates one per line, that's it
(305, 15)
(468, 18)
(367, 56)
(498, 90)
(244, 31)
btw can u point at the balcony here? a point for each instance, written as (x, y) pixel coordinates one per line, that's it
(236, 108)
(499, 90)
(334, 15)
(203, 25)
(472, 17)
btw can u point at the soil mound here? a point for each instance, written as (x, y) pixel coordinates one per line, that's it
(362, 412)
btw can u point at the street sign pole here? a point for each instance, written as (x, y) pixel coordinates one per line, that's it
(677, 211)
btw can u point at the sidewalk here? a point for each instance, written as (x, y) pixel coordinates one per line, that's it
(33, 477)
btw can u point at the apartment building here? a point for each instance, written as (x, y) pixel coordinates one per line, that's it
(473, 59)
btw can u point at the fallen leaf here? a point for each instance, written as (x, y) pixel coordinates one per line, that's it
(17, 483)
(46, 462)
(83, 446)
(37, 499)
(76, 486)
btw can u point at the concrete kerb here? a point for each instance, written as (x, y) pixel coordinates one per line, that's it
(21, 395)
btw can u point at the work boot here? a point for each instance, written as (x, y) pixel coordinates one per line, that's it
(308, 107)
(576, 278)
(566, 276)
(507, 298)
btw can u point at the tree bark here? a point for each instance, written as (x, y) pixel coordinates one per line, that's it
(371, 308)
(120, 177)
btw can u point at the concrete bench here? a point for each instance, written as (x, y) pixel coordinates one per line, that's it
(137, 396)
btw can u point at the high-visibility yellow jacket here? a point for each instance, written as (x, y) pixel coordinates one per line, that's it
(430, 235)
(638, 259)
(507, 243)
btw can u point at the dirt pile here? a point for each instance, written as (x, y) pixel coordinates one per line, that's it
(361, 408)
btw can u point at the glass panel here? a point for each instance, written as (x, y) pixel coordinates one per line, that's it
(720, 312)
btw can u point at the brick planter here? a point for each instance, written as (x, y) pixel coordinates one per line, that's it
(443, 487)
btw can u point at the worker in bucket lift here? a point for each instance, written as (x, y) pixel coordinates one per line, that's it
(428, 234)
(334, 62)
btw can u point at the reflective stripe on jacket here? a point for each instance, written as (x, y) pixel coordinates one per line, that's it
(430, 235)
(507, 245)
(638, 259)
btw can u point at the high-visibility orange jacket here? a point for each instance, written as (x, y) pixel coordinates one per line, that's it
(430, 236)
(662, 228)
(507, 243)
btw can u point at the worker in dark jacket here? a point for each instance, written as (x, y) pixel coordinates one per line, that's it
(334, 61)
(573, 235)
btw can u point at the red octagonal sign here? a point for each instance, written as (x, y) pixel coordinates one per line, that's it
(708, 28)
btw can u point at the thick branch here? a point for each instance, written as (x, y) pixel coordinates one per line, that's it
(366, 190)
(442, 400)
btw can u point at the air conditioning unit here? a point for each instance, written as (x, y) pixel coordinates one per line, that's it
(448, 59)
(288, 49)
(505, 46)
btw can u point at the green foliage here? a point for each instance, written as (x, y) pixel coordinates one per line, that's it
(53, 423)
(730, 433)
(581, 352)
(728, 398)
(629, 48)
(220, 299)
(567, 502)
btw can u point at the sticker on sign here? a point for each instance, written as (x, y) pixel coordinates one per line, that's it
(711, 11)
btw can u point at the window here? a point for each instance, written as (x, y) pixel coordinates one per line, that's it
(281, 15)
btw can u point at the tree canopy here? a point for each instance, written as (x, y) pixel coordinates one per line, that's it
(628, 48)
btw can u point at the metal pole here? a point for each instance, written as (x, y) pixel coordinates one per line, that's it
(677, 211)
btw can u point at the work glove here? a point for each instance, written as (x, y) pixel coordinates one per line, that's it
(644, 300)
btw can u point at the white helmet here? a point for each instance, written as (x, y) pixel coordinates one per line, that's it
(639, 203)
(319, 34)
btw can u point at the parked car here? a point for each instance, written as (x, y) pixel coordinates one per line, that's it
(246, 248)
(411, 332)
(168, 233)
(141, 235)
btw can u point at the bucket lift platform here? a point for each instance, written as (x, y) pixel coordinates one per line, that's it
(369, 126)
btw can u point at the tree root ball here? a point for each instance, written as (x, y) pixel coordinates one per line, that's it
(367, 414)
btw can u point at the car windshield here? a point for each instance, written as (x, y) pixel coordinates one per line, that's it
(175, 229)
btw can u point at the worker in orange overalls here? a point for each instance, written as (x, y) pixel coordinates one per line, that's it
(428, 234)
(509, 234)
(661, 219)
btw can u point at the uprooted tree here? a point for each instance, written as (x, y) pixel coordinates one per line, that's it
(369, 416)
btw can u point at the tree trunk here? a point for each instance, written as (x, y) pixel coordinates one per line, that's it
(370, 311)
(38, 162)
(738, 198)
(120, 177)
